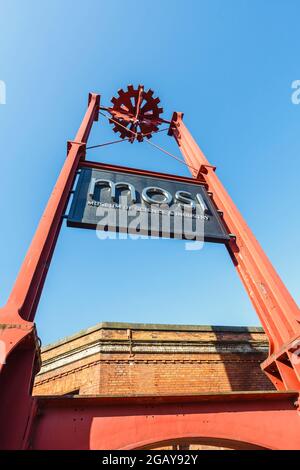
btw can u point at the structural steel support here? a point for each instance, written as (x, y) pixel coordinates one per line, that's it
(277, 310)
(265, 420)
(268, 421)
(17, 330)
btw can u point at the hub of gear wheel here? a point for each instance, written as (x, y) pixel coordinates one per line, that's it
(135, 113)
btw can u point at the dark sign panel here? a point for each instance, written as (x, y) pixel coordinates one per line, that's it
(144, 205)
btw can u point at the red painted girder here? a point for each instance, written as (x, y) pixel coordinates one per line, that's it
(141, 172)
(17, 332)
(277, 310)
(26, 291)
(241, 420)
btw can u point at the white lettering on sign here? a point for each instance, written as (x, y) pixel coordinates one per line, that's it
(183, 198)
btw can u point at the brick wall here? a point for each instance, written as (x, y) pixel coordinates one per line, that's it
(122, 359)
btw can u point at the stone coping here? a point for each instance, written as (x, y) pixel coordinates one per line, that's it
(153, 327)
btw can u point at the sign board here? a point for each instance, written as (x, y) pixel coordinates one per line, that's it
(145, 205)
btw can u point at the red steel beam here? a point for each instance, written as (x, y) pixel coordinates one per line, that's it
(258, 420)
(141, 172)
(23, 297)
(17, 331)
(277, 310)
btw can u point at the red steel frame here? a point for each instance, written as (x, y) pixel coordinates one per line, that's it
(263, 420)
(277, 310)
(274, 305)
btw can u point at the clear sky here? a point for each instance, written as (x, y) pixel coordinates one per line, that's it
(229, 66)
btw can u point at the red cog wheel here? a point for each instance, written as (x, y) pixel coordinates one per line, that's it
(135, 113)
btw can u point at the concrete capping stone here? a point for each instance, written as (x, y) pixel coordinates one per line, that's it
(153, 327)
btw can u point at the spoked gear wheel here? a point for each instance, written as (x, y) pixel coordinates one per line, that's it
(135, 113)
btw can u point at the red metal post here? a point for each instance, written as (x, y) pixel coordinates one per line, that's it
(17, 331)
(277, 310)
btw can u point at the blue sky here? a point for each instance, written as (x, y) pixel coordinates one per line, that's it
(229, 66)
